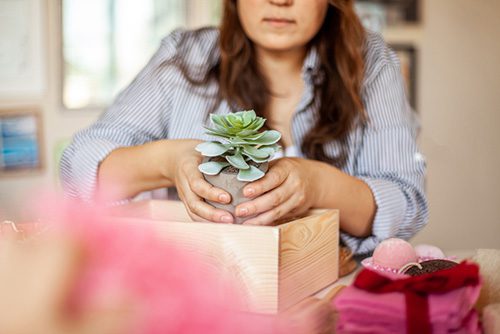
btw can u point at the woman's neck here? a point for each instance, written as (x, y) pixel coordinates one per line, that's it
(281, 67)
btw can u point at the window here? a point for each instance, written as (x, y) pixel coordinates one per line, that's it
(106, 42)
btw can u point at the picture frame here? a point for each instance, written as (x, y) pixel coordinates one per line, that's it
(372, 15)
(21, 141)
(399, 12)
(408, 57)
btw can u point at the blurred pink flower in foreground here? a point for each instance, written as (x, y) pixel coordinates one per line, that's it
(169, 291)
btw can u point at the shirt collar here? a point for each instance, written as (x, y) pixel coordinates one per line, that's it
(312, 62)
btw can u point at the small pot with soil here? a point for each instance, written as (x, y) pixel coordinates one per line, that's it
(242, 159)
(427, 267)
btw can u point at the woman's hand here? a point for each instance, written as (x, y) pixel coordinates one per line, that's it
(128, 171)
(289, 188)
(193, 188)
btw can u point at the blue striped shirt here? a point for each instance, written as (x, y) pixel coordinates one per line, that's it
(162, 104)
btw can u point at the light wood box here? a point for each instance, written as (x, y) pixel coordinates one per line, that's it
(277, 266)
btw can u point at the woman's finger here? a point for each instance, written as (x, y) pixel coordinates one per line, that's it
(264, 203)
(196, 206)
(273, 178)
(269, 217)
(194, 217)
(204, 189)
(208, 212)
(200, 186)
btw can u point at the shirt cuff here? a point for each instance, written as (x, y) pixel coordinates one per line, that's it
(391, 209)
(85, 164)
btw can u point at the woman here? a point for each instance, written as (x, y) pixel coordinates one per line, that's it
(334, 91)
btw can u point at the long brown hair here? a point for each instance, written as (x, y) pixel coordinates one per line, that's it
(340, 47)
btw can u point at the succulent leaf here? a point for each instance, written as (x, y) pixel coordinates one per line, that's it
(256, 136)
(212, 149)
(237, 161)
(257, 160)
(255, 152)
(218, 120)
(212, 167)
(244, 142)
(270, 149)
(248, 117)
(240, 141)
(258, 123)
(216, 133)
(246, 133)
(270, 137)
(249, 175)
(234, 121)
(219, 128)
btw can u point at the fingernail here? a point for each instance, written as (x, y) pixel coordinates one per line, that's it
(242, 212)
(223, 198)
(226, 219)
(249, 192)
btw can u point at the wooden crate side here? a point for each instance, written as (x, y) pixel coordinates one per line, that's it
(308, 256)
(248, 255)
(163, 210)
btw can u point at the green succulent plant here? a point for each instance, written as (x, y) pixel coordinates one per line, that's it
(243, 144)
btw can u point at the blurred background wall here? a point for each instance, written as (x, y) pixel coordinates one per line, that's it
(460, 108)
(458, 101)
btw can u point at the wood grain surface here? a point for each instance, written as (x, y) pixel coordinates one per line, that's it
(275, 266)
(308, 256)
(247, 256)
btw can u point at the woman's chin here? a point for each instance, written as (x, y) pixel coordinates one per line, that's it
(280, 45)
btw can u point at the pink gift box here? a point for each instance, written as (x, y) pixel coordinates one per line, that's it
(365, 312)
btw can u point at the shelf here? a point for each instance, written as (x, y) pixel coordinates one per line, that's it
(404, 34)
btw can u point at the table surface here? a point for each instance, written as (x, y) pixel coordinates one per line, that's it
(459, 254)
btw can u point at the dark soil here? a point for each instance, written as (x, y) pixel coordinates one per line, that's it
(231, 169)
(430, 267)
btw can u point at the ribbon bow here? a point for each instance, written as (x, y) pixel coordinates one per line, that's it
(417, 288)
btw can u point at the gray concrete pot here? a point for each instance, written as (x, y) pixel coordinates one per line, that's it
(227, 181)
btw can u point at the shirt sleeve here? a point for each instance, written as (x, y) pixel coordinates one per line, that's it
(390, 163)
(139, 115)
